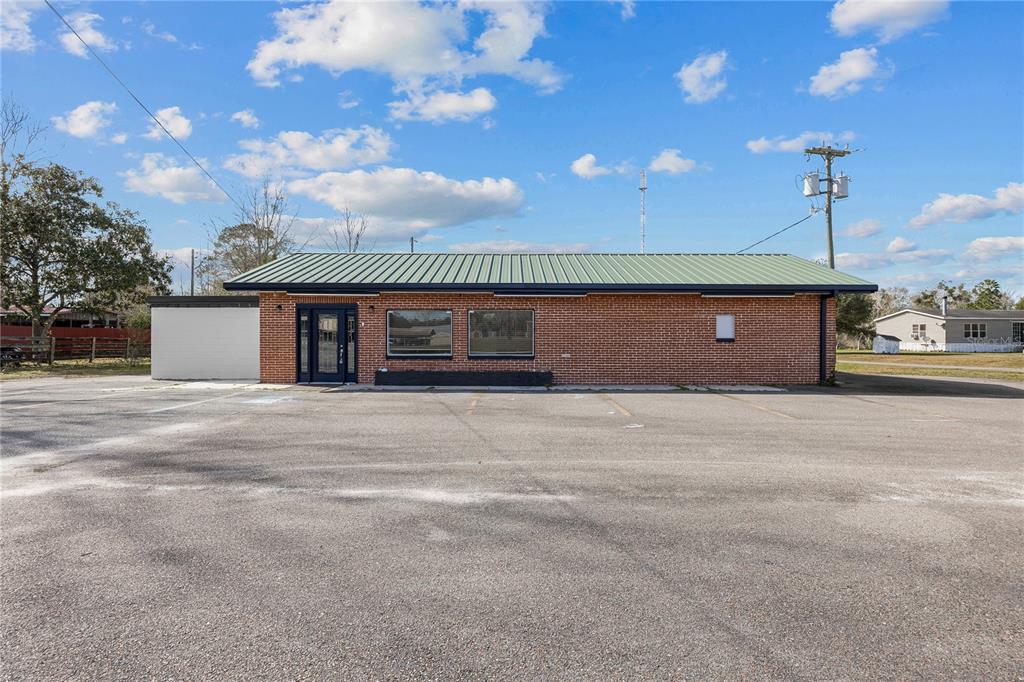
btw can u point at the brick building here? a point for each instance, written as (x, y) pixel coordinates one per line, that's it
(546, 318)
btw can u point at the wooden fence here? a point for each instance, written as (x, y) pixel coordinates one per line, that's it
(15, 349)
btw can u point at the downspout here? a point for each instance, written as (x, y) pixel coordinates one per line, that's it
(823, 338)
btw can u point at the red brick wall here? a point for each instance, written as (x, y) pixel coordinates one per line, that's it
(616, 338)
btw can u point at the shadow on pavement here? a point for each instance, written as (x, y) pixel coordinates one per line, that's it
(873, 384)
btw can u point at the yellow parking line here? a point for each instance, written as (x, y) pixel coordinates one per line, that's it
(472, 404)
(758, 407)
(622, 410)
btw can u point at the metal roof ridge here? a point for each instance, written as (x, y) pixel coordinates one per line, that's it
(537, 253)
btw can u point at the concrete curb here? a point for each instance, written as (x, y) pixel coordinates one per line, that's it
(562, 388)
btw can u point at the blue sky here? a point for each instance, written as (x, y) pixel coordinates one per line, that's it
(515, 127)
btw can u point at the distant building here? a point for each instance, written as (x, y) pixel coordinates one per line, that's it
(65, 318)
(942, 329)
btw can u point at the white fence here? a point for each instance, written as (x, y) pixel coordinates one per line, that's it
(889, 346)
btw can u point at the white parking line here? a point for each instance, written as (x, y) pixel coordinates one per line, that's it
(196, 402)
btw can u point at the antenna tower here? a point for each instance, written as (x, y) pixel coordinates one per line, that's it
(643, 211)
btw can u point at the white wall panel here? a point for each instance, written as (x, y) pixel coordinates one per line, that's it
(206, 343)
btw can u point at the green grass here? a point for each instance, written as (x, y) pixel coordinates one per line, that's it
(979, 373)
(987, 360)
(101, 367)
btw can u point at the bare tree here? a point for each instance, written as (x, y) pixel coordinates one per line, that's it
(347, 232)
(18, 134)
(18, 130)
(264, 231)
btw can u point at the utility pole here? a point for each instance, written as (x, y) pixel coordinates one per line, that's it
(828, 153)
(412, 244)
(193, 273)
(643, 211)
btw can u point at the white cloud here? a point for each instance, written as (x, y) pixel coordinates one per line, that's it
(85, 120)
(628, 9)
(413, 43)
(119, 138)
(441, 106)
(175, 122)
(862, 228)
(406, 199)
(150, 29)
(1010, 278)
(986, 249)
(846, 76)
(587, 167)
(963, 208)
(159, 175)
(900, 245)
(671, 161)
(15, 25)
(294, 150)
(346, 100)
(247, 118)
(182, 255)
(871, 261)
(780, 143)
(888, 19)
(83, 22)
(514, 246)
(702, 79)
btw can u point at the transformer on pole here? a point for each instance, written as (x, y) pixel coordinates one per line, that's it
(835, 187)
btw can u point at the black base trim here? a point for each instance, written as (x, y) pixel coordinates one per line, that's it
(426, 378)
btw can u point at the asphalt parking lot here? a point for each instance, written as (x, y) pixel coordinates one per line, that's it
(153, 529)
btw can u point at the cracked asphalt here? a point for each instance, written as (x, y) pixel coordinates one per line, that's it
(213, 530)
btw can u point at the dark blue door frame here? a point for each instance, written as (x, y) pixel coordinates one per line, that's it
(326, 340)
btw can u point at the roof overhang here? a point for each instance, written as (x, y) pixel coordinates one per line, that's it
(558, 289)
(203, 301)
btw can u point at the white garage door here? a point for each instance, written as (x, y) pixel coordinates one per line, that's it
(206, 343)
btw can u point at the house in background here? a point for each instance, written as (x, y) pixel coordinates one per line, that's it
(959, 331)
(14, 317)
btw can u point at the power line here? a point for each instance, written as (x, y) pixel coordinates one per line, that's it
(144, 107)
(775, 234)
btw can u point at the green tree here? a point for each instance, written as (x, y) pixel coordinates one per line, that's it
(1020, 304)
(957, 296)
(63, 249)
(988, 295)
(854, 314)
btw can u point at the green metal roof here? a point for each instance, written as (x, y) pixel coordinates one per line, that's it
(354, 272)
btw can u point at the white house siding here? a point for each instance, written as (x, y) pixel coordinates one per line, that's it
(997, 331)
(900, 326)
(205, 343)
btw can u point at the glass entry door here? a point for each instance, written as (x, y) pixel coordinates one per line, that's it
(326, 344)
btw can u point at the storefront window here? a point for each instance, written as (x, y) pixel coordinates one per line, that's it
(500, 333)
(419, 333)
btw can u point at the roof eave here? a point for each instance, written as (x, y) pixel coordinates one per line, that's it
(525, 289)
(908, 310)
